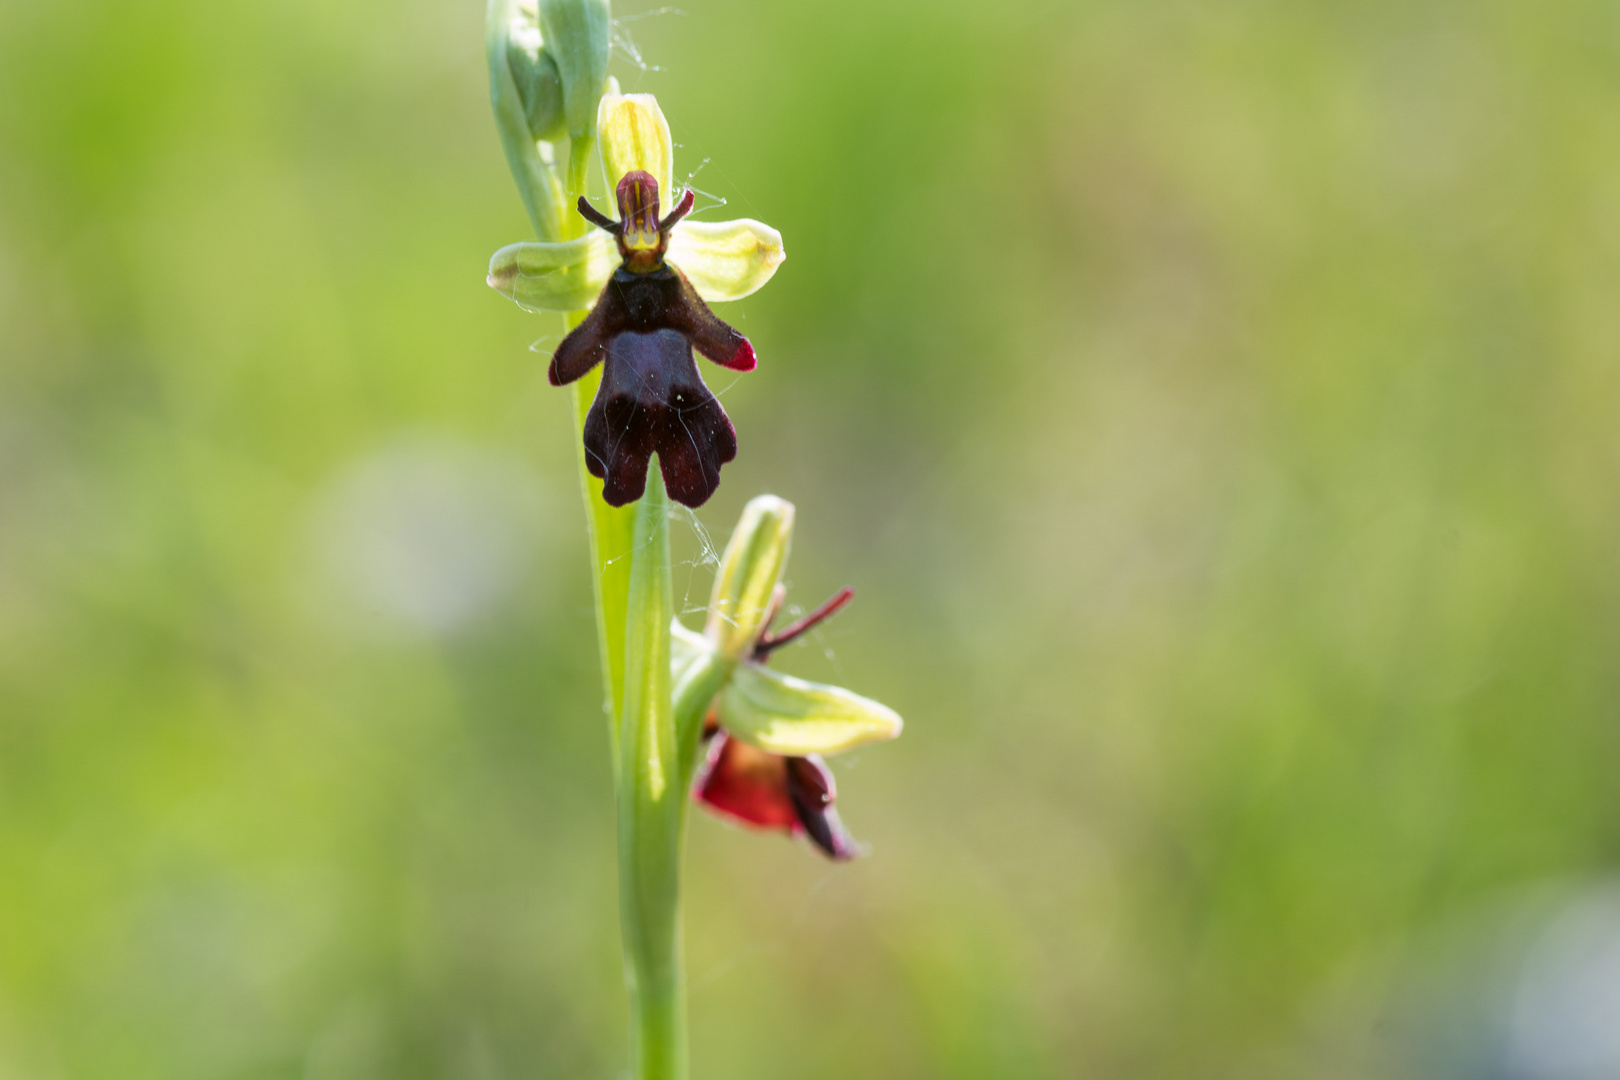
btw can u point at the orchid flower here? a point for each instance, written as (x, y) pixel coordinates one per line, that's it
(648, 312)
(687, 712)
(767, 731)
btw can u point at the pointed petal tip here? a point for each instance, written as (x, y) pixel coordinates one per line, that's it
(811, 788)
(837, 844)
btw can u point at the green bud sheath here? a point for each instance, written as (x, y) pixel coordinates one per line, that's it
(539, 86)
(578, 34)
(528, 158)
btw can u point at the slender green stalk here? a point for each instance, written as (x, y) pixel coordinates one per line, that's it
(612, 545)
(652, 763)
(611, 528)
(652, 804)
(654, 738)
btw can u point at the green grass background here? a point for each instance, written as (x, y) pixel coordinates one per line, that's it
(1215, 406)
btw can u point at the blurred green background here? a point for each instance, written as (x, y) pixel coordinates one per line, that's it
(1215, 406)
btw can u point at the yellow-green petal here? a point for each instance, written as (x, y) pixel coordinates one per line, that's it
(785, 715)
(562, 276)
(749, 571)
(633, 134)
(726, 260)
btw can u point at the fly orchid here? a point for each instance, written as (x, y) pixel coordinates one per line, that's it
(647, 313)
(687, 712)
(741, 782)
(767, 731)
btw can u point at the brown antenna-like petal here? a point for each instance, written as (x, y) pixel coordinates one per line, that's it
(597, 218)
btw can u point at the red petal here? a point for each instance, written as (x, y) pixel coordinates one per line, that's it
(743, 359)
(749, 785)
(745, 784)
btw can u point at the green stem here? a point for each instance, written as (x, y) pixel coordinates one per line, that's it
(652, 764)
(652, 804)
(654, 736)
(611, 531)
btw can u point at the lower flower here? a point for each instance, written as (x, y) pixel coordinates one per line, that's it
(761, 787)
(745, 784)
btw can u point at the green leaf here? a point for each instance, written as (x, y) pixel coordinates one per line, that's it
(564, 275)
(749, 571)
(785, 715)
(726, 260)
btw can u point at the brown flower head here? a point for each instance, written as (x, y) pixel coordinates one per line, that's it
(645, 324)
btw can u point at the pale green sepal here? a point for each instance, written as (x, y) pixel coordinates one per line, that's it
(697, 673)
(565, 275)
(785, 715)
(578, 35)
(685, 646)
(633, 135)
(726, 260)
(749, 571)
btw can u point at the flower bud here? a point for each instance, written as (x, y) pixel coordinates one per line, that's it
(525, 105)
(578, 35)
(748, 574)
(534, 71)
